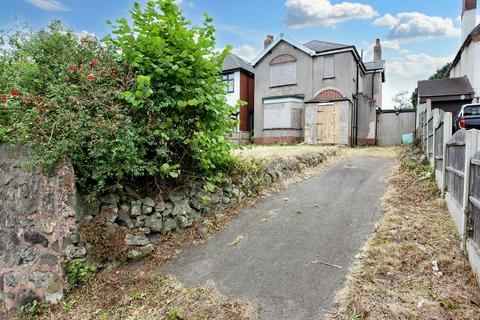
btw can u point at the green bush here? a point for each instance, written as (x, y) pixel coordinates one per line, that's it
(145, 104)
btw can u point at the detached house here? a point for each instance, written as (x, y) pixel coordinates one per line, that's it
(239, 76)
(317, 92)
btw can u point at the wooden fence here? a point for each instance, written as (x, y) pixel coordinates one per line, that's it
(474, 199)
(456, 161)
(455, 168)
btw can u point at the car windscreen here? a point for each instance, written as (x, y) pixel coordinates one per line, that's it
(471, 111)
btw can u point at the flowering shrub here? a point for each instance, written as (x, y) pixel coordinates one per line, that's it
(145, 105)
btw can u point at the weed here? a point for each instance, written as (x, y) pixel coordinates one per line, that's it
(78, 271)
(449, 304)
(33, 310)
(174, 314)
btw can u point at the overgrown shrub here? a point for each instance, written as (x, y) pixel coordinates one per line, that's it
(143, 106)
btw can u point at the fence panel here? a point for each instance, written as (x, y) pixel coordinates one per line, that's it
(456, 166)
(439, 146)
(474, 198)
(430, 138)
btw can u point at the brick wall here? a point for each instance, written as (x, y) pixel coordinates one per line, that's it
(277, 140)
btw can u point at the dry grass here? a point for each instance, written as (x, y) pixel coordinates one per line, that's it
(393, 277)
(389, 152)
(148, 296)
(265, 152)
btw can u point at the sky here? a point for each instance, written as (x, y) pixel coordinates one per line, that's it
(418, 36)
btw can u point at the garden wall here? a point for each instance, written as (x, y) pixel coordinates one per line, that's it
(36, 217)
(45, 225)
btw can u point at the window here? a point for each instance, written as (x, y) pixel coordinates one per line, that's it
(471, 111)
(229, 78)
(329, 67)
(283, 71)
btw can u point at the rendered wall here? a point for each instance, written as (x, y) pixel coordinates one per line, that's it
(391, 127)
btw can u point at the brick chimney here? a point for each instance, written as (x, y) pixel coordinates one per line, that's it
(469, 17)
(268, 41)
(377, 51)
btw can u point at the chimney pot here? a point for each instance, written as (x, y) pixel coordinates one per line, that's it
(268, 41)
(377, 51)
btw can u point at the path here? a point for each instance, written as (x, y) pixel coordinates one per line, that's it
(326, 218)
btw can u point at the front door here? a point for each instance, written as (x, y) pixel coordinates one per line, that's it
(327, 124)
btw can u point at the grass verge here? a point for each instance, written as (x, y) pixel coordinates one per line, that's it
(393, 277)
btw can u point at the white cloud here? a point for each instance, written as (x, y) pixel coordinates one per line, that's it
(408, 26)
(246, 52)
(305, 13)
(48, 5)
(404, 72)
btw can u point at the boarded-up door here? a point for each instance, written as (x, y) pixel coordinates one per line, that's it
(327, 124)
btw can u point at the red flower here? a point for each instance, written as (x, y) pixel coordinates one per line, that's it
(26, 101)
(15, 93)
(91, 77)
(4, 98)
(46, 105)
(38, 108)
(94, 63)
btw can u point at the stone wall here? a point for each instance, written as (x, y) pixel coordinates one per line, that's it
(36, 216)
(43, 220)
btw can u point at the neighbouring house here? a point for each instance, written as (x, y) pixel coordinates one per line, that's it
(467, 61)
(462, 83)
(318, 93)
(239, 76)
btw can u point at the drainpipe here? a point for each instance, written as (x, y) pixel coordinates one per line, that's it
(355, 112)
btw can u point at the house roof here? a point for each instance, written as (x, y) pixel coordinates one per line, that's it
(322, 46)
(316, 47)
(375, 65)
(475, 32)
(234, 62)
(444, 89)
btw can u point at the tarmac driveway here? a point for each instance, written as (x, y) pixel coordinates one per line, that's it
(297, 244)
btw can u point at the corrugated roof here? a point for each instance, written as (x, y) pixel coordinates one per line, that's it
(444, 87)
(321, 46)
(375, 65)
(233, 62)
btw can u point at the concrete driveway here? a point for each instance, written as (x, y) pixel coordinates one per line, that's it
(298, 244)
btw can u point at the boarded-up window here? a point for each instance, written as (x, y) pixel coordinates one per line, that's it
(329, 67)
(283, 71)
(282, 115)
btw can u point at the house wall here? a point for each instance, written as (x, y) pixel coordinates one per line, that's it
(345, 75)
(262, 90)
(233, 97)
(391, 127)
(468, 66)
(367, 116)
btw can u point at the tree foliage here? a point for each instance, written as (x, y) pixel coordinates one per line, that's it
(145, 104)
